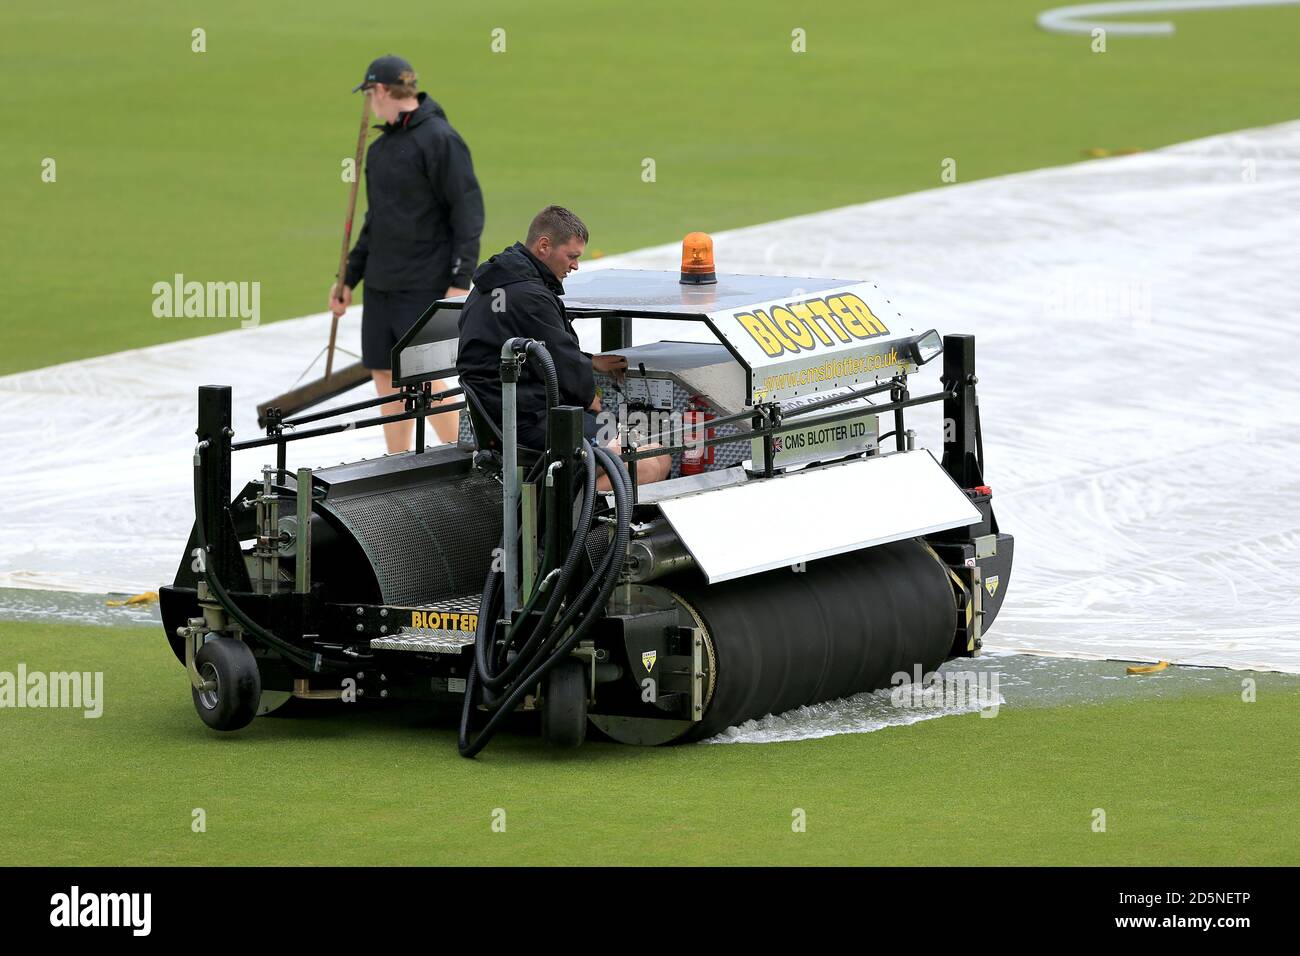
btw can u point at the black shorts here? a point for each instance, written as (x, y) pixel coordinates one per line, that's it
(386, 317)
(535, 438)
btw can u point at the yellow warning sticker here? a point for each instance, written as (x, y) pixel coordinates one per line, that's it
(991, 585)
(648, 659)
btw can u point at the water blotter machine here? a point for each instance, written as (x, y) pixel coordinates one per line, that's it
(795, 554)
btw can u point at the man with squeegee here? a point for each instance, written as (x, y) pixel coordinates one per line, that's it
(420, 238)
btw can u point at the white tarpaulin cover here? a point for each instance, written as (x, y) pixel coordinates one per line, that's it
(1136, 349)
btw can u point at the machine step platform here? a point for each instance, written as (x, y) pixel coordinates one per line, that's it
(425, 642)
(434, 640)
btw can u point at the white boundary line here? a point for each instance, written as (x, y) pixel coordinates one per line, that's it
(1066, 19)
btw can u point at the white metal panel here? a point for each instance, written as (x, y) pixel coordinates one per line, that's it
(429, 357)
(809, 441)
(744, 529)
(802, 344)
(690, 484)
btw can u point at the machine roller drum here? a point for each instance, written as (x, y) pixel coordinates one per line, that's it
(841, 626)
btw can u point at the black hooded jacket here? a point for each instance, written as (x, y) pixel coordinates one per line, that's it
(425, 211)
(516, 294)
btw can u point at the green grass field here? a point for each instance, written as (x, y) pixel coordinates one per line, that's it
(225, 165)
(1197, 779)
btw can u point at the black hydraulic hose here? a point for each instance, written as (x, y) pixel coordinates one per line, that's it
(538, 351)
(482, 635)
(612, 552)
(466, 708)
(583, 604)
(611, 562)
(541, 634)
(547, 571)
(547, 505)
(541, 585)
(591, 612)
(611, 567)
(305, 659)
(558, 589)
(482, 632)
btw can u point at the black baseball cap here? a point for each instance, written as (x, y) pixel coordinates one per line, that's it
(386, 69)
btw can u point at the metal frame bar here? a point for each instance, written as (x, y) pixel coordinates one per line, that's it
(840, 399)
(615, 332)
(961, 458)
(341, 410)
(898, 394)
(215, 429)
(343, 427)
(749, 414)
(302, 543)
(510, 363)
(778, 428)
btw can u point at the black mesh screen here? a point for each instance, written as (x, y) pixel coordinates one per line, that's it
(597, 543)
(427, 542)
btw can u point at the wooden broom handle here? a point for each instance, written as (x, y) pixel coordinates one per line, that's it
(347, 227)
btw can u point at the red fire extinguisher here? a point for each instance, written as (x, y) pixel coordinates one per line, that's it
(696, 455)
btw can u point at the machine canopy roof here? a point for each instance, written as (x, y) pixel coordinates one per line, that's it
(643, 292)
(792, 335)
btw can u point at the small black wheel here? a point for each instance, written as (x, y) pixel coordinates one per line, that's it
(564, 705)
(230, 666)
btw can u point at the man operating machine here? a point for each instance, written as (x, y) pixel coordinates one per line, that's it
(517, 294)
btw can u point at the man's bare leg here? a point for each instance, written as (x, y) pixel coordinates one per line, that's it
(397, 435)
(648, 470)
(446, 425)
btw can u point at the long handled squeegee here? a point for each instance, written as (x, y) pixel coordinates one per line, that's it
(302, 397)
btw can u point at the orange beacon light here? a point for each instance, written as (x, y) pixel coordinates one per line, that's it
(697, 259)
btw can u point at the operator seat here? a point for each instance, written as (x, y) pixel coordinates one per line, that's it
(487, 434)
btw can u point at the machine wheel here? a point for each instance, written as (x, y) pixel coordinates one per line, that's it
(231, 666)
(564, 705)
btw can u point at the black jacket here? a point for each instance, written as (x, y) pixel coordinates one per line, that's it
(425, 211)
(527, 304)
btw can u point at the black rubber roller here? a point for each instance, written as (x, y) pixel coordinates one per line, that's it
(843, 625)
